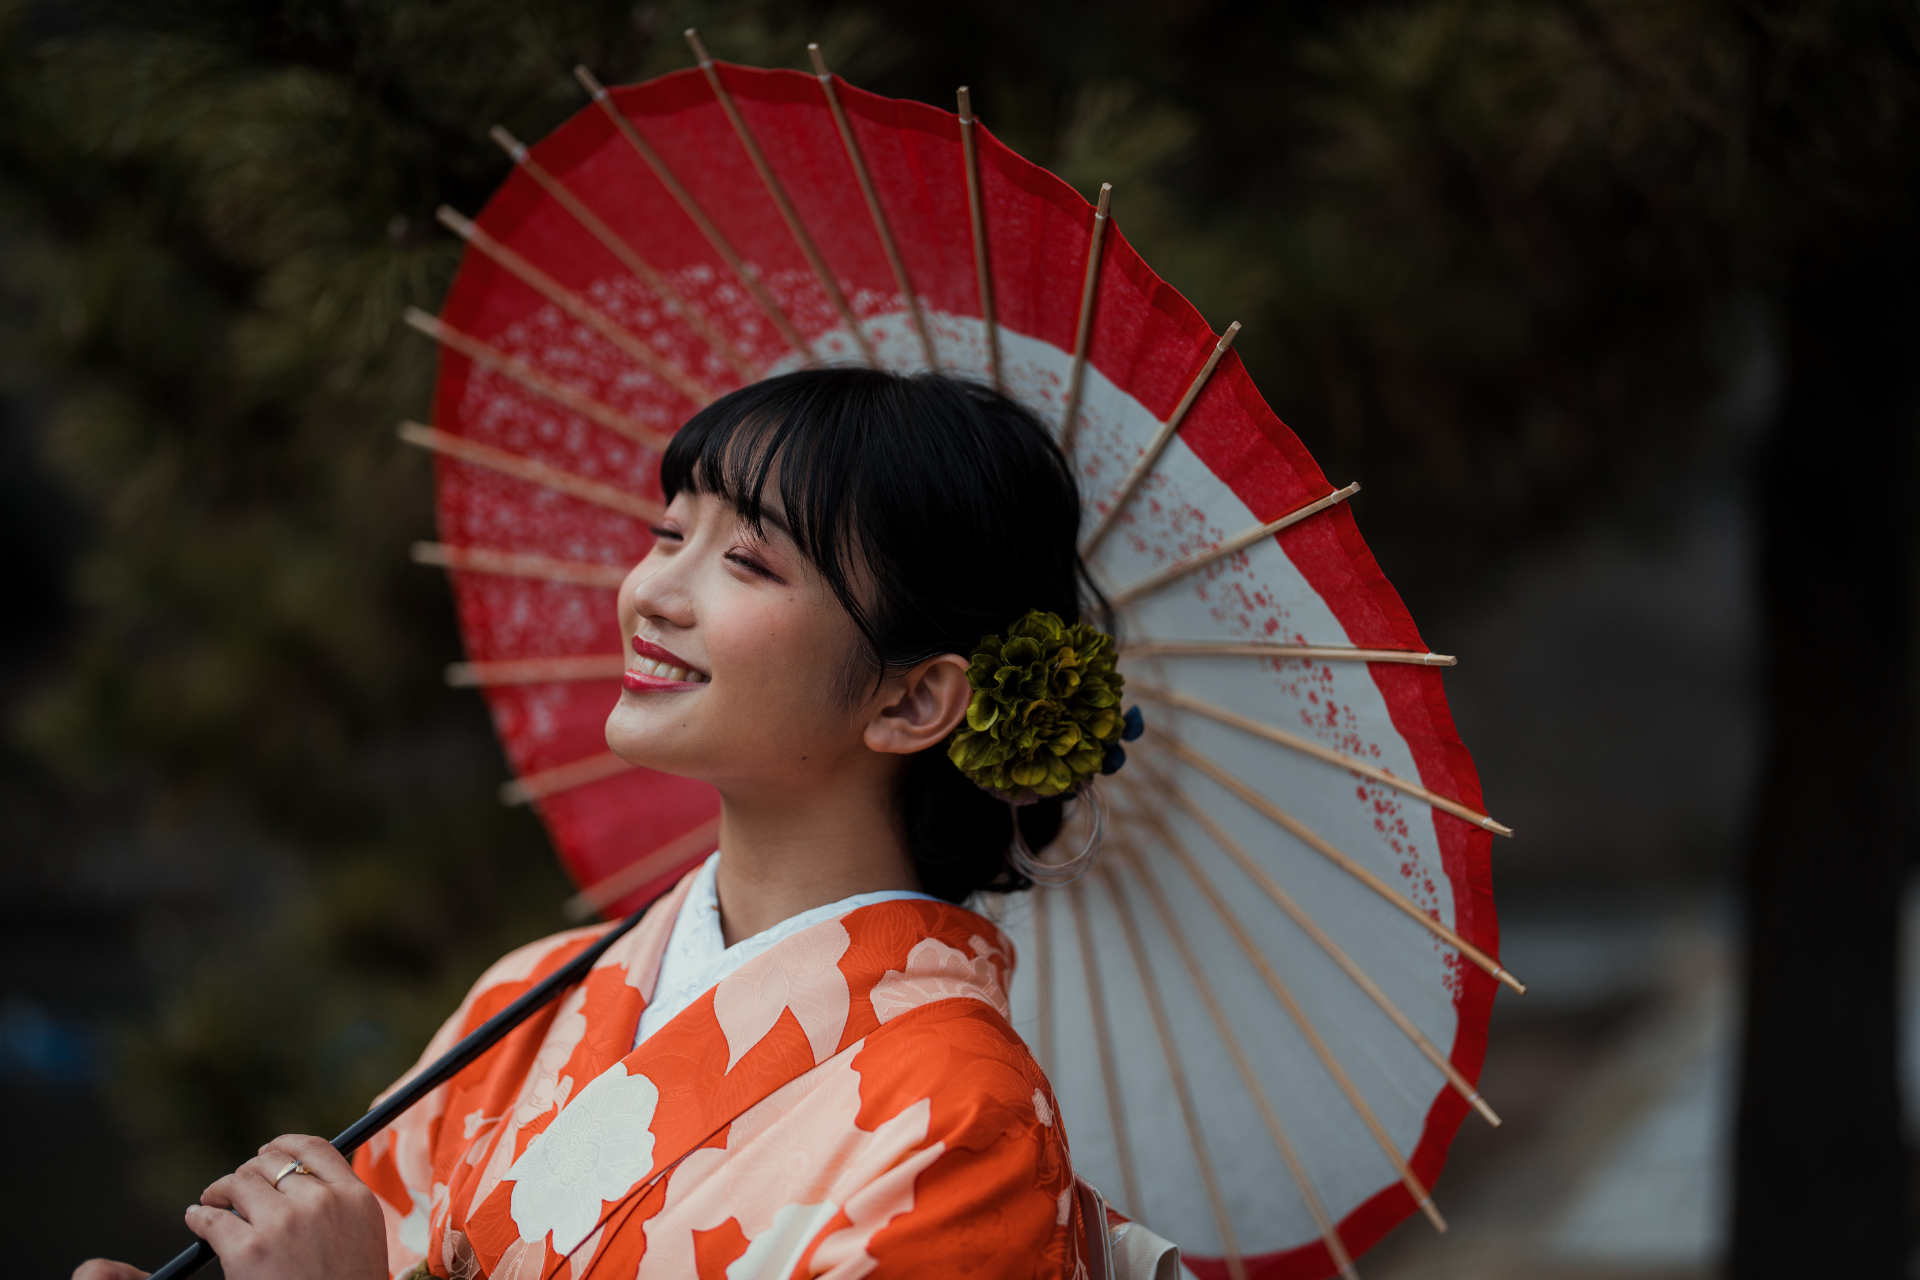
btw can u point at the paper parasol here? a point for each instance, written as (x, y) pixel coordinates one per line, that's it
(1264, 1010)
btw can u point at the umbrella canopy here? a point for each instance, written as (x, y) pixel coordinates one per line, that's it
(1263, 1011)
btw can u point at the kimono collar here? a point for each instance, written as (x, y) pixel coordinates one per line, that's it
(697, 955)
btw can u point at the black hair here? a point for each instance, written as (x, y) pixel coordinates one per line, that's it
(951, 507)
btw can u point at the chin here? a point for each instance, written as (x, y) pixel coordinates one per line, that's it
(640, 737)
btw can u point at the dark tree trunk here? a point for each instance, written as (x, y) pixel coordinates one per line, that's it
(1820, 1161)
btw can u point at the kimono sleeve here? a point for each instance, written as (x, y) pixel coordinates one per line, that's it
(990, 1193)
(397, 1163)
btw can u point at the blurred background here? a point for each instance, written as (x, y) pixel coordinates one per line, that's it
(1609, 303)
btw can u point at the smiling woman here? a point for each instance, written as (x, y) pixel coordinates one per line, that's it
(836, 542)
(800, 1061)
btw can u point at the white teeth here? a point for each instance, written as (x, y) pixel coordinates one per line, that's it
(662, 671)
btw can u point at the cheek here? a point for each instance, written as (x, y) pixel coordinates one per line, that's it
(756, 643)
(787, 655)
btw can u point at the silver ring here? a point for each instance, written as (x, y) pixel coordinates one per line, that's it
(293, 1166)
(1060, 873)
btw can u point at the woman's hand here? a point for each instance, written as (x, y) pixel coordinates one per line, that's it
(101, 1269)
(323, 1224)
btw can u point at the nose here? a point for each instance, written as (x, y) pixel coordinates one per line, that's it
(659, 591)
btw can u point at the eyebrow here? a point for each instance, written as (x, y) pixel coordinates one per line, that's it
(769, 515)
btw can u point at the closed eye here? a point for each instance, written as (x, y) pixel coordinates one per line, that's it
(663, 534)
(753, 566)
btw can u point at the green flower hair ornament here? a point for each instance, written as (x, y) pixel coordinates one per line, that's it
(1045, 713)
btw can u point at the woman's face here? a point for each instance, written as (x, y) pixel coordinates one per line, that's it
(736, 656)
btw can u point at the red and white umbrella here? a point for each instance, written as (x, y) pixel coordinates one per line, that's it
(1264, 1010)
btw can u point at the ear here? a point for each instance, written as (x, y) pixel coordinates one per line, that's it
(927, 703)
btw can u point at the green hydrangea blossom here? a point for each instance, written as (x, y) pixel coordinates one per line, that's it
(1045, 708)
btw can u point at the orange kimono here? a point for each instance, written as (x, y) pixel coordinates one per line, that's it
(851, 1101)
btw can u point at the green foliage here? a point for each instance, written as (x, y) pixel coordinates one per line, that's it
(212, 216)
(1513, 254)
(1537, 243)
(1045, 707)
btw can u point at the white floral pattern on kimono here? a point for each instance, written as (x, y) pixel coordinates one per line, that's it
(850, 1102)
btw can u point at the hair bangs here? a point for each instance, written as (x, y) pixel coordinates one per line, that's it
(811, 441)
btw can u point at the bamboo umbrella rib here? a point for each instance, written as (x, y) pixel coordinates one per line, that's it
(1324, 1052)
(698, 216)
(1145, 464)
(527, 376)
(601, 894)
(778, 194)
(531, 470)
(1280, 737)
(1176, 1073)
(977, 217)
(513, 564)
(1043, 973)
(550, 782)
(585, 666)
(1257, 1092)
(880, 224)
(1311, 927)
(1280, 817)
(1321, 652)
(574, 305)
(624, 252)
(1083, 328)
(1103, 1037)
(1239, 542)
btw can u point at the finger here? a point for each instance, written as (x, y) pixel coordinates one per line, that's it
(245, 1190)
(274, 1159)
(102, 1269)
(271, 1164)
(318, 1155)
(227, 1233)
(215, 1196)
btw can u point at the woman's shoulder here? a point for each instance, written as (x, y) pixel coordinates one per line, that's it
(536, 959)
(520, 967)
(962, 1054)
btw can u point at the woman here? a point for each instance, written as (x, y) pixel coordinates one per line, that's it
(800, 1062)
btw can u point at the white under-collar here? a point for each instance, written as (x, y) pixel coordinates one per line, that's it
(697, 954)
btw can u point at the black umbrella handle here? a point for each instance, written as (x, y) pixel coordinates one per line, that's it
(489, 1034)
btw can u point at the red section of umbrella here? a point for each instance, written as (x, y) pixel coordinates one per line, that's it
(681, 237)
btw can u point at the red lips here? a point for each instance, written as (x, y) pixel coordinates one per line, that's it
(641, 682)
(647, 649)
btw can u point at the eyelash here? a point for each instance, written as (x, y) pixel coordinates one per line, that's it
(751, 565)
(745, 562)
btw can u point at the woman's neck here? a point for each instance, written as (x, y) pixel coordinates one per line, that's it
(783, 855)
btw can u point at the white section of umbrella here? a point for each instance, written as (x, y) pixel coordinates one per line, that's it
(1158, 803)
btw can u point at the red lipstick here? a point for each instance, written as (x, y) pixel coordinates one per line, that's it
(641, 682)
(636, 680)
(647, 649)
